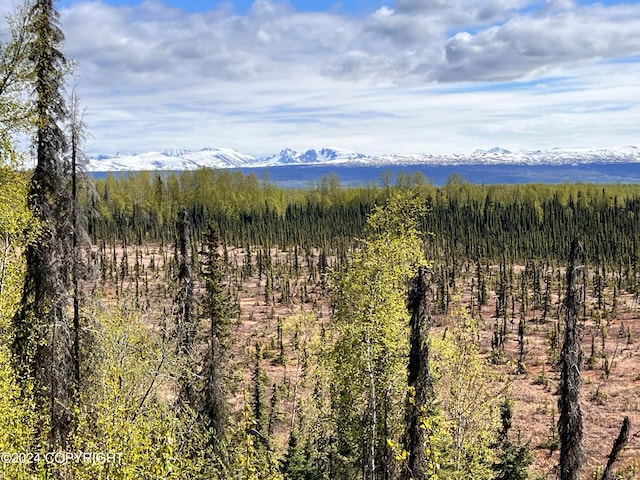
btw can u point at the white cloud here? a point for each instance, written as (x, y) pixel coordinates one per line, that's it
(415, 78)
(526, 44)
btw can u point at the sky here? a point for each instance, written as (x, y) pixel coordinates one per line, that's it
(374, 76)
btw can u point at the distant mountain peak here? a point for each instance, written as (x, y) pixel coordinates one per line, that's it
(229, 158)
(493, 151)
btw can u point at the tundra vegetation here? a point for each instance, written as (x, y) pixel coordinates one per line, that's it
(208, 324)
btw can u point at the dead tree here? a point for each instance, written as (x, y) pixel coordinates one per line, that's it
(420, 383)
(77, 134)
(618, 445)
(572, 455)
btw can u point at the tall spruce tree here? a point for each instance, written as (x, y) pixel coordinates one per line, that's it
(186, 324)
(42, 346)
(217, 308)
(572, 455)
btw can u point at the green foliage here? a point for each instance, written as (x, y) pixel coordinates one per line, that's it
(514, 459)
(217, 308)
(401, 217)
(369, 356)
(122, 412)
(482, 223)
(252, 460)
(244, 209)
(295, 465)
(467, 392)
(16, 220)
(20, 422)
(17, 229)
(15, 111)
(42, 343)
(436, 440)
(310, 451)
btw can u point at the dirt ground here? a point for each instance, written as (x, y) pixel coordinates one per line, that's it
(284, 306)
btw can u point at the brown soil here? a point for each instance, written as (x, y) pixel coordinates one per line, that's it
(610, 390)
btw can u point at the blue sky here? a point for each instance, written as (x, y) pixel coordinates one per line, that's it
(375, 76)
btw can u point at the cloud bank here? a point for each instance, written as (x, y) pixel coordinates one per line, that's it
(429, 76)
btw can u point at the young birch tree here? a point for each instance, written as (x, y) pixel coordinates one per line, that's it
(371, 338)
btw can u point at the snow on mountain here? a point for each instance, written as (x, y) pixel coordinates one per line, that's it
(228, 158)
(171, 160)
(312, 157)
(492, 151)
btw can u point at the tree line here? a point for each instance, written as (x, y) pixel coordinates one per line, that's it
(468, 221)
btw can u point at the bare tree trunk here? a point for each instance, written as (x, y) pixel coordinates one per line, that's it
(618, 445)
(419, 377)
(572, 455)
(77, 127)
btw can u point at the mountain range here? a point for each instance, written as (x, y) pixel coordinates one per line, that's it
(229, 158)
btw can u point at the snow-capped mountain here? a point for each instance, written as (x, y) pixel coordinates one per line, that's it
(492, 151)
(171, 160)
(312, 157)
(229, 158)
(220, 158)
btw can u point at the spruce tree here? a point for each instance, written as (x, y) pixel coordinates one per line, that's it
(217, 308)
(42, 346)
(514, 459)
(186, 326)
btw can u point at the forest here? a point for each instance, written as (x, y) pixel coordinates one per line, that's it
(209, 324)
